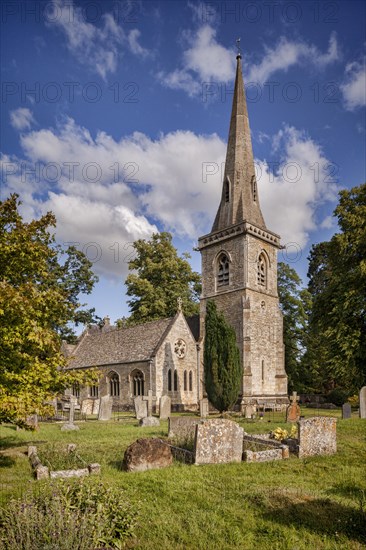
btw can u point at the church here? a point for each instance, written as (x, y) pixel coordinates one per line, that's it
(239, 273)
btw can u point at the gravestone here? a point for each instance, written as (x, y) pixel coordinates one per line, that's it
(147, 454)
(149, 421)
(140, 407)
(363, 402)
(183, 428)
(105, 408)
(204, 411)
(250, 411)
(164, 407)
(293, 410)
(87, 406)
(32, 421)
(346, 411)
(317, 436)
(96, 405)
(218, 441)
(69, 426)
(149, 399)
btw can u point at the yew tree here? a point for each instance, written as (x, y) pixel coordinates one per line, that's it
(39, 286)
(222, 367)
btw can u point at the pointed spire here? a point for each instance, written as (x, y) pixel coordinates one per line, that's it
(239, 200)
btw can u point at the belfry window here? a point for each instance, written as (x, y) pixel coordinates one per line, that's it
(114, 384)
(262, 271)
(223, 270)
(254, 188)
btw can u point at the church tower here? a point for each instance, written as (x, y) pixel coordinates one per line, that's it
(239, 266)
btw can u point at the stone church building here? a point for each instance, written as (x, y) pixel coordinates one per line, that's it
(239, 272)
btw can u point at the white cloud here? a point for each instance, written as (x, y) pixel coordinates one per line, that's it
(354, 85)
(21, 119)
(289, 53)
(177, 186)
(292, 188)
(205, 60)
(97, 47)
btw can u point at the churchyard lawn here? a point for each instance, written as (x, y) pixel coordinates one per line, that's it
(318, 502)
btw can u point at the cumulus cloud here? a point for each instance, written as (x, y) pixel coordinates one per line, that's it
(288, 53)
(96, 47)
(292, 187)
(354, 86)
(21, 119)
(107, 193)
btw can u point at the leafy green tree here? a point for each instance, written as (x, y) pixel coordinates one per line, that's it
(158, 278)
(37, 301)
(294, 304)
(222, 367)
(337, 283)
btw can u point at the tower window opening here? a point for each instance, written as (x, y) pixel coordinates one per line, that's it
(254, 189)
(262, 271)
(227, 191)
(223, 270)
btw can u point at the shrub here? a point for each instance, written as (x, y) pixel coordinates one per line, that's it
(82, 514)
(337, 397)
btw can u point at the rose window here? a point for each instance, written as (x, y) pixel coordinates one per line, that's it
(180, 348)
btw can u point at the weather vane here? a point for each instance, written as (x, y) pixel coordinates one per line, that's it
(238, 46)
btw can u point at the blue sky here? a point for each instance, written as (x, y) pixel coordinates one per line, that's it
(115, 116)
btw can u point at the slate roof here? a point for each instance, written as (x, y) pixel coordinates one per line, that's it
(124, 345)
(194, 325)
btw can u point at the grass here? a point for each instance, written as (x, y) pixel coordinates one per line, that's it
(315, 503)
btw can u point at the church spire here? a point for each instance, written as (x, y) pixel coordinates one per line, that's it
(239, 199)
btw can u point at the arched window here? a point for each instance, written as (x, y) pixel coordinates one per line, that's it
(175, 381)
(138, 383)
(227, 191)
(169, 380)
(76, 390)
(185, 386)
(223, 270)
(114, 384)
(262, 271)
(190, 381)
(94, 391)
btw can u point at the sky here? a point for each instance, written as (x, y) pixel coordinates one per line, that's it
(115, 116)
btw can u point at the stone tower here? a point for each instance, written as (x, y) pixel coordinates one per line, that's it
(239, 266)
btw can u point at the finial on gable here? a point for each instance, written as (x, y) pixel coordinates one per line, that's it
(180, 302)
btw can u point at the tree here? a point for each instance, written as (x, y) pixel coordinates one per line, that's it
(294, 304)
(337, 283)
(159, 277)
(37, 301)
(222, 367)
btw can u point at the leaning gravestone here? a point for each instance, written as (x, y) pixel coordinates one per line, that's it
(218, 441)
(140, 407)
(164, 407)
(204, 411)
(363, 402)
(69, 426)
(105, 408)
(346, 411)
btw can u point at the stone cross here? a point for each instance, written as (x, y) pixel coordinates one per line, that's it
(150, 398)
(72, 410)
(180, 303)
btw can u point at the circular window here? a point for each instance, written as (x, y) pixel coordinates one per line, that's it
(180, 348)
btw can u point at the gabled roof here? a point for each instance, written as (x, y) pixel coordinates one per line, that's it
(124, 345)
